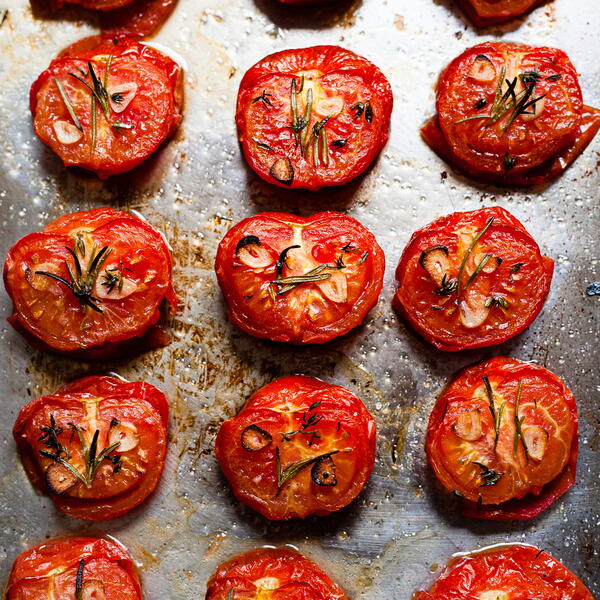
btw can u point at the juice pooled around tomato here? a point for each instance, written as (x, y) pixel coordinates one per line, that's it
(107, 103)
(503, 437)
(299, 446)
(313, 117)
(85, 568)
(472, 279)
(271, 574)
(97, 445)
(299, 279)
(91, 285)
(510, 113)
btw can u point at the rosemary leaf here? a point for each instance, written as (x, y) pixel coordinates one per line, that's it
(70, 109)
(79, 580)
(484, 261)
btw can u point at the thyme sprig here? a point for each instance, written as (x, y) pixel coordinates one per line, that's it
(488, 476)
(518, 426)
(496, 301)
(264, 99)
(114, 278)
(82, 282)
(496, 414)
(447, 287)
(92, 458)
(310, 419)
(291, 470)
(361, 108)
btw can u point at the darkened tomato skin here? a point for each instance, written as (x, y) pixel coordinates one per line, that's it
(525, 290)
(490, 12)
(102, 403)
(528, 150)
(129, 318)
(147, 117)
(309, 313)
(509, 571)
(339, 79)
(138, 18)
(54, 565)
(530, 481)
(342, 425)
(292, 575)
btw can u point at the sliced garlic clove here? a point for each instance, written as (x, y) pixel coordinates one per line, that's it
(252, 253)
(493, 595)
(468, 426)
(93, 589)
(41, 282)
(473, 311)
(436, 262)
(116, 292)
(335, 288)
(126, 434)
(331, 106)
(120, 96)
(59, 479)
(536, 439)
(533, 111)
(482, 69)
(66, 133)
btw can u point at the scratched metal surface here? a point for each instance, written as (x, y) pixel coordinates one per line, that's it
(402, 529)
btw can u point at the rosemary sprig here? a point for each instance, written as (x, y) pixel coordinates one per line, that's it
(484, 261)
(518, 426)
(114, 278)
(496, 415)
(488, 476)
(82, 283)
(468, 253)
(291, 470)
(361, 108)
(263, 145)
(79, 580)
(448, 286)
(67, 101)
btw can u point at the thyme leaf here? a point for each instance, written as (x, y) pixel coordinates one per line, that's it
(488, 476)
(338, 143)
(264, 99)
(263, 145)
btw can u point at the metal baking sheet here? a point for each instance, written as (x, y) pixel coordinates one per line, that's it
(402, 529)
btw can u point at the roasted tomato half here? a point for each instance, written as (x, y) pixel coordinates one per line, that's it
(86, 568)
(271, 574)
(313, 117)
(299, 279)
(299, 446)
(506, 572)
(106, 104)
(510, 113)
(503, 437)
(96, 445)
(137, 18)
(490, 12)
(91, 284)
(472, 279)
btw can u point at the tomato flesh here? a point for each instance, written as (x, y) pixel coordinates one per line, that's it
(142, 104)
(271, 574)
(514, 132)
(300, 418)
(489, 12)
(497, 301)
(339, 262)
(140, 18)
(133, 414)
(506, 572)
(138, 264)
(344, 96)
(498, 444)
(50, 570)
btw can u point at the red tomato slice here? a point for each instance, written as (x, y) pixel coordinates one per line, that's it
(51, 569)
(137, 104)
(313, 117)
(321, 434)
(299, 279)
(489, 12)
(140, 18)
(524, 131)
(107, 306)
(271, 574)
(503, 284)
(55, 436)
(525, 448)
(506, 571)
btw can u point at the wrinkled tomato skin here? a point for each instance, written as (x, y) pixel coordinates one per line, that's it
(288, 317)
(536, 490)
(292, 575)
(519, 571)
(491, 12)
(525, 152)
(131, 326)
(154, 110)
(526, 295)
(335, 73)
(138, 403)
(139, 18)
(342, 423)
(54, 565)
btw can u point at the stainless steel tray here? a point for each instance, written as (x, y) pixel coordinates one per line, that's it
(402, 528)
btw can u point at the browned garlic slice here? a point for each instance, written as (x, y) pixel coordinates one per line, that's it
(468, 426)
(252, 253)
(335, 288)
(126, 434)
(66, 133)
(436, 262)
(59, 479)
(482, 69)
(473, 311)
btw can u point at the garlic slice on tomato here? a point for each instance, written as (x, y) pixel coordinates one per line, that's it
(482, 69)
(468, 426)
(126, 434)
(252, 253)
(330, 106)
(42, 282)
(473, 311)
(436, 262)
(106, 292)
(335, 288)
(93, 589)
(534, 111)
(536, 439)
(120, 96)
(66, 133)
